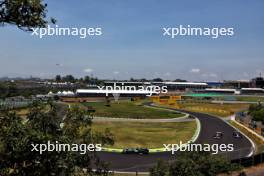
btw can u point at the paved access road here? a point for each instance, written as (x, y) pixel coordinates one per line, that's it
(209, 125)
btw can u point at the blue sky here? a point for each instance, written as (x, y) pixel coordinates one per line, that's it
(132, 44)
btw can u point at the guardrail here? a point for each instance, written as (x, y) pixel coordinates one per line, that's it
(252, 131)
(250, 161)
(197, 131)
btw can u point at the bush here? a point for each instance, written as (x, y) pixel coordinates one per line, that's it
(194, 164)
(257, 112)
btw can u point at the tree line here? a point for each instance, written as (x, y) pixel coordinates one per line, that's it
(256, 111)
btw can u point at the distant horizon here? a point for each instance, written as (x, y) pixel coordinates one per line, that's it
(132, 43)
(106, 79)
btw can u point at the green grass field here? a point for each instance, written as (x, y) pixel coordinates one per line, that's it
(151, 135)
(127, 109)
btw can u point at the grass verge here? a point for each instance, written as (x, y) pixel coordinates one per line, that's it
(150, 135)
(126, 109)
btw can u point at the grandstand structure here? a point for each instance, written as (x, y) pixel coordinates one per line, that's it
(100, 93)
(171, 85)
(173, 89)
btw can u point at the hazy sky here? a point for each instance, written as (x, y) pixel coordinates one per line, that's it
(132, 44)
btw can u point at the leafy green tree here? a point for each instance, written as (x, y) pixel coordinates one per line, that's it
(8, 89)
(58, 78)
(25, 14)
(87, 79)
(161, 169)
(143, 80)
(45, 123)
(3, 90)
(132, 80)
(194, 164)
(254, 108)
(258, 115)
(157, 80)
(180, 80)
(257, 112)
(68, 78)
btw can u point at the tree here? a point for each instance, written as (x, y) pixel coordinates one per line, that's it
(194, 164)
(58, 78)
(161, 169)
(258, 115)
(132, 80)
(157, 80)
(255, 107)
(3, 90)
(16, 137)
(68, 78)
(180, 80)
(257, 112)
(87, 79)
(25, 14)
(143, 80)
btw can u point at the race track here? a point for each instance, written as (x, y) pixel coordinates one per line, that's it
(209, 125)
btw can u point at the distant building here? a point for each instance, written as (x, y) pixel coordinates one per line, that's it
(182, 86)
(252, 91)
(220, 91)
(171, 86)
(257, 82)
(237, 84)
(215, 84)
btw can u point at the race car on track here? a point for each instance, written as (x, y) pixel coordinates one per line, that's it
(236, 134)
(218, 135)
(136, 151)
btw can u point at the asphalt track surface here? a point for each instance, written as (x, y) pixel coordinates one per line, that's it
(209, 125)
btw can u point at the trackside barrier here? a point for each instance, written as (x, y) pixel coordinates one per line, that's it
(197, 131)
(250, 161)
(252, 133)
(112, 150)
